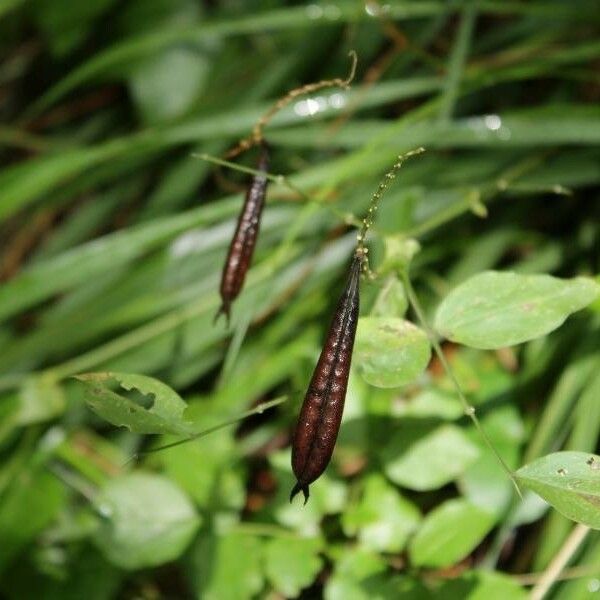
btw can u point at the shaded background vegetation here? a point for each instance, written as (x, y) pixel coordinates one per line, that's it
(112, 237)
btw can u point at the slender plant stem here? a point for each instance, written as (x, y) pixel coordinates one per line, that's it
(367, 222)
(560, 561)
(468, 408)
(565, 575)
(279, 179)
(75, 482)
(257, 410)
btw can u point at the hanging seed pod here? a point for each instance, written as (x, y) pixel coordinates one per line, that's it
(244, 239)
(321, 412)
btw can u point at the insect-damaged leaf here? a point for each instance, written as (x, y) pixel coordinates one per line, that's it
(390, 352)
(569, 481)
(497, 309)
(164, 415)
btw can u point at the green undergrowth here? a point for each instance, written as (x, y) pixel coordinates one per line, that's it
(466, 465)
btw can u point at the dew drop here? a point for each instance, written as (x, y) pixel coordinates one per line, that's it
(105, 510)
(314, 11)
(337, 100)
(372, 9)
(492, 122)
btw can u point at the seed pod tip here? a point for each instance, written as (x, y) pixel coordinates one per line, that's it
(224, 309)
(298, 487)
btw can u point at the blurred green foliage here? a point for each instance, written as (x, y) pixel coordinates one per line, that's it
(112, 237)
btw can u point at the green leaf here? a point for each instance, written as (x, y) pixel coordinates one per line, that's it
(31, 502)
(360, 574)
(390, 352)
(484, 483)
(492, 585)
(292, 564)
(399, 252)
(420, 458)
(165, 415)
(449, 533)
(431, 403)
(391, 301)
(383, 519)
(480, 585)
(530, 509)
(89, 575)
(220, 480)
(148, 521)
(569, 481)
(165, 86)
(352, 565)
(327, 497)
(497, 309)
(228, 566)
(41, 398)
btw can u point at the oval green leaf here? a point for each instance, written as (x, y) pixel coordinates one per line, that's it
(390, 352)
(148, 521)
(498, 309)
(383, 520)
(292, 565)
(449, 533)
(229, 566)
(420, 458)
(391, 300)
(481, 585)
(164, 415)
(569, 481)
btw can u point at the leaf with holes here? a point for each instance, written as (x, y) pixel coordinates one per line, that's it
(390, 352)
(498, 309)
(569, 481)
(164, 415)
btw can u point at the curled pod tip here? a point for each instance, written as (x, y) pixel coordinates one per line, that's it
(298, 487)
(321, 412)
(224, 309)
(243, 242)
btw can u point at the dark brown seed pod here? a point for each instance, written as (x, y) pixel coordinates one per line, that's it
(321, 413)
(244, 239)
